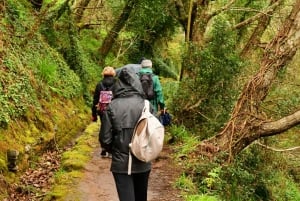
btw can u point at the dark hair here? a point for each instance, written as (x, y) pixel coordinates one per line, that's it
(141, 59)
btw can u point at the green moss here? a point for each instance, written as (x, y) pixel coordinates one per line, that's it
(63, 179)
(3, 166)
(57, 193)
(73, 161)
(77, 157)
(91, 129)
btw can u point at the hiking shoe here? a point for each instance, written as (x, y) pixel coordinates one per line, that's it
(103, 154)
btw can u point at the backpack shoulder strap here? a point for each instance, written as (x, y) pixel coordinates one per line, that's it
(104, 88)
(147, 105)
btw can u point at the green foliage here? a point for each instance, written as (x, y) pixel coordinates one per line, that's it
(90, 43)
(51, 69)
(210, 75)
(30, 67)
(167, 59)
(161, 25)
(155, 10)
(180, 133)
(3, 165)
(283, 99)
(189, 190)
(165, 68)
(47, 70)
(17, 95)
(67, 42)
(255, 175)
(17, 14)
(284, 188)
(201, 198)
(212, 178)
(186, 184)
(239, 15)
(169, 87)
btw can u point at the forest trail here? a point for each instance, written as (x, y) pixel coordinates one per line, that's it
(98, 184)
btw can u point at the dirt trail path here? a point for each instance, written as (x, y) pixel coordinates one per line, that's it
(97, 183)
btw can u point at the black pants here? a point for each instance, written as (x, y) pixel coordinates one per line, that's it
(132, 187)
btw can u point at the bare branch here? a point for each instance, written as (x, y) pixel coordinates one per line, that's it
(281, 125)
(191, 107)
(90, 25)
(257, 16)
(224, 8)
(88, 8)
(277, 150)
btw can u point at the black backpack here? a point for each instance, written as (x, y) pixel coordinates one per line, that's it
(147, 84)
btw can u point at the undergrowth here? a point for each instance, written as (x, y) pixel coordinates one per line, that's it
(256, 174)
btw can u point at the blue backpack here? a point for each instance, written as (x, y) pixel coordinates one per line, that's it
(165, 118)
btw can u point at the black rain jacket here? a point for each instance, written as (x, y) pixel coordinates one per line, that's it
(119, 120)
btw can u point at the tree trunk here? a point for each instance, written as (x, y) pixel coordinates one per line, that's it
(199, 26)
(114, 32)
(203, 18)
(79, 9)
(263, 23)
(247, 122)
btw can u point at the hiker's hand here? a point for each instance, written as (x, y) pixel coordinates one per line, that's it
(94, 119)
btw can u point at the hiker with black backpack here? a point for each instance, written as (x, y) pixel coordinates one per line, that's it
(102, 97)
(116, 132)
(151, 85)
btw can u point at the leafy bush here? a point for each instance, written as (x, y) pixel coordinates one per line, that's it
(206, 95)
(169, 87)
(256, 175)
(180, 133)
(186, 184)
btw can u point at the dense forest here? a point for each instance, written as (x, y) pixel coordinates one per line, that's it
(230, 75)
